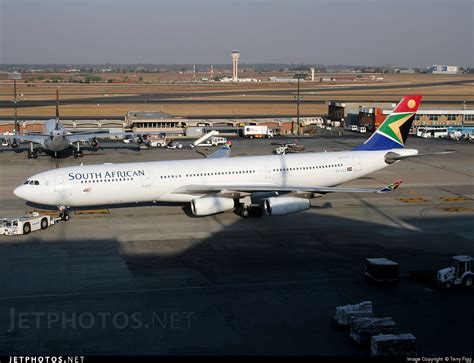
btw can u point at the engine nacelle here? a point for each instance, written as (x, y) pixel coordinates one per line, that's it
(14, 144)
(139, 140)
(211, 205)
(285, 205)
(94, 143)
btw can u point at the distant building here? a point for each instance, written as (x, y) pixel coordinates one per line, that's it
(280, 79)
(348, 112)
(442, 69)
(142, 121)
(371, 118)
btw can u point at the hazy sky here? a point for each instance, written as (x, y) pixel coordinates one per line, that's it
(358, 32)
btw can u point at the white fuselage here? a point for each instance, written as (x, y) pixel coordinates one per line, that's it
(56, 139)
(164, 180)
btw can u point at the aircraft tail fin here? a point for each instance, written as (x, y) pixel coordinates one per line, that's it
(393, 132)
(57, 108)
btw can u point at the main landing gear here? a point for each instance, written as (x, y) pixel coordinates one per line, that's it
(78, 152)
(32, 152)
(246, 209)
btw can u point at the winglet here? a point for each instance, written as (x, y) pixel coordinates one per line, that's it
(391, 187)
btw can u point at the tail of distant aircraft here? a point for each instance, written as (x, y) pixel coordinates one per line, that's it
(393, 132)
(57, 109)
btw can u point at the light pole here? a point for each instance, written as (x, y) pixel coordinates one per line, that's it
(15, 76)
(298, 100)
(463, 119)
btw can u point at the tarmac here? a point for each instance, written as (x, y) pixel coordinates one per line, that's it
(153, 279)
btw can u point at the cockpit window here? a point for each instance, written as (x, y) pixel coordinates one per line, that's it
(27, 182)
(32, 182)
(37, 182)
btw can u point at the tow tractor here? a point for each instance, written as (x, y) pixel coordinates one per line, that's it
(461, 272)
(26, 224)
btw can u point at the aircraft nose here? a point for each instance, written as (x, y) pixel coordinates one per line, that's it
(20, 192)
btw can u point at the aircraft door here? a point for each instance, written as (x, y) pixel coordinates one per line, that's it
(357, 164)
(59, 183)
(146, 180)
(267, 172)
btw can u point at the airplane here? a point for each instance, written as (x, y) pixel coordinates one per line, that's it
(274, 184)
(55, 138)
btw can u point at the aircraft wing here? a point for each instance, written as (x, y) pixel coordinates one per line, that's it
(215, 188)
(223, 152)
(38, 139)
(84, 137)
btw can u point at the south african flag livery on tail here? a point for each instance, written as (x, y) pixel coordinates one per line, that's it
(393, 132)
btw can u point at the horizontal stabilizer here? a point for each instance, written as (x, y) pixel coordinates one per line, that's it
(392, 157)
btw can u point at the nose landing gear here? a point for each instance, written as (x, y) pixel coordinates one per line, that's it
(63, 213)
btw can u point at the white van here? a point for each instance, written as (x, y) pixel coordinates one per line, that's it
(354, 128)
(362, 130)
(434, 133)
(218, 141)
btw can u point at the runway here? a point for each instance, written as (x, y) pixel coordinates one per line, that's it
(161, 281)
(189, 97)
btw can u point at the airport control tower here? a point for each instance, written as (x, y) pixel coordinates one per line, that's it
(235, 64)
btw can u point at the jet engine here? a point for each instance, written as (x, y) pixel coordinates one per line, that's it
(211, 205)
(139, 140)
(94, 143)
(14, 144)
(285, 205)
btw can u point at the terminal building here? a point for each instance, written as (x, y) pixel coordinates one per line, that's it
(371, 118)
(373, 114)
(140, 121)
(348, 113)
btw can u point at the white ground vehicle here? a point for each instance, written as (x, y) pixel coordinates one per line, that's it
(354, 128)
(214, 141)
(288, 148)
(174, 145)
(460, 272)
(158, 143)
(256, 131)
(362, 130)
(420, 130)
(455, 135)
(26, 224)
(434, 133)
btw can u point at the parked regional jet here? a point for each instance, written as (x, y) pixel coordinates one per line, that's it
(276, 184)
(55, 138)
